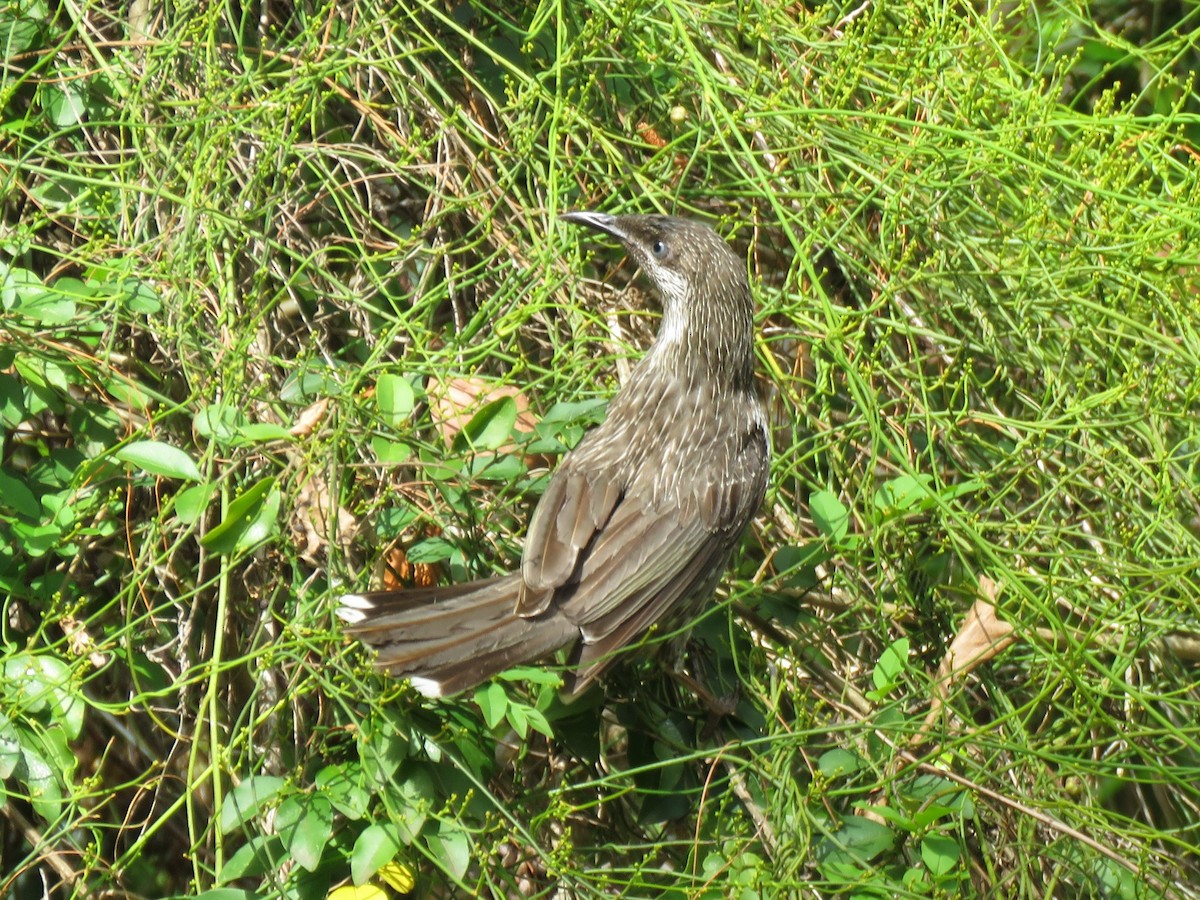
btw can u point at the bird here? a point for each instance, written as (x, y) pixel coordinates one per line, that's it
(638, 522)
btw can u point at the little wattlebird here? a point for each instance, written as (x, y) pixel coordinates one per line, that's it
(639, 520)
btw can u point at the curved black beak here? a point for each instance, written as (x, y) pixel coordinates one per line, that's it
(599, 221)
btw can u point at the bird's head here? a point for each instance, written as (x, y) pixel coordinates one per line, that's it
(707, 307)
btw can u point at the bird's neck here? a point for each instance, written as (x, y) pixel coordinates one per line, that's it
(716, 345)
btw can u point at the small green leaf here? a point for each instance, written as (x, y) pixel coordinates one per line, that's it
(829, 515)
(53, 304)
(859, 841)
(250, 519)
(18, 33)
(394, 521)
(302, 387)
(538, 722)
(889, 814)
(490, 428)
(44, 684)
(10, 748)
(305, 824)
(262, 433)
(191, 502)
(376, 847)
(451, 847)
(65, 102)
(12, 402)
(341, 785)
(395, 399)
(16, 495)
(430, 550)
(517, 718)
(389, 453)
(417, 794)
(486, 467)
(836, 763)
(533, 674)
(382, 748)
(493, 703)
(39, 779)
(218, 422)
(903, 493)
(940, 854)
(140, 297)
(890, 669)
(160, 459)
(246, 800)
(258, 855)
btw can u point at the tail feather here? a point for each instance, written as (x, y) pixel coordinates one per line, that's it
(450, 639)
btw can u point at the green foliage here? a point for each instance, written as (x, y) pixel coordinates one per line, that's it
(243, 257)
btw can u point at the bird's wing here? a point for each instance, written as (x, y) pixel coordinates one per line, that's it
(577, 504)
(647, 562)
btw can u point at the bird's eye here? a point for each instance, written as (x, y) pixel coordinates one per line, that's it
(659, 249)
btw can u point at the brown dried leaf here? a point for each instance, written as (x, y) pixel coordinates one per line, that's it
(453, 403)
(982, 636)
(397, 573)
(308, 420)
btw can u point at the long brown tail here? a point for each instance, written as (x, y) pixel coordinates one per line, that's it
(452, 638)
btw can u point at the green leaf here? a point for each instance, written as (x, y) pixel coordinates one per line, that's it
(493, 703)
(305, 824)
(889, 814)
(36, 540)
(940, 854)
(903, 493)
(383, 745)
(430, 550)
(589, 412)
(10, 748)
(859, 841)
(16, 495)
(487, 467)
(12, 402)
(836, 763)
(246, 800)
(389, 453)
(395, 399)
(394, 521)
(451, 847)
(490, 428)
(302, 387)
(53, 304)
(65, 102)
(218, 422)
(517, 718)
(44, 684)
(258, 855)
(38, 776)
(250, 519)
(140, 297)
(893, 662)
(416, 795)
(376, 847)
(159, 459)
(537, 721)
(534, 674)
(830, 516)
(17, 34)
(190, 503)
(341, 785)
(262, 433)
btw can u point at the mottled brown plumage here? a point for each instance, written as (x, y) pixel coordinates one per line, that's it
(638, 521)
